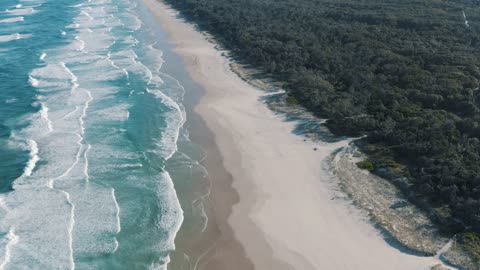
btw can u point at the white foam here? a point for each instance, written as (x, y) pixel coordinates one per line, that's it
(33, 147)
(174, 122)
(81, 45)
(37, 244)
(465, 19)
(70, 170)
(70, 113)
(172, 217)
(44, 115)
(22, 11)
(85, 160)
(12, 240)
(16, 36)
(12, 20)
(87, 14)
(145, 69)
(117, 208)
(108, 58)
(156, 56)
(133, 5)
(34, 82)
(74, 25)
(3, 205)
(96, 40)
(204, 216)
(131, 40)
(73, 78)
(95, 227)
(84, 112)
(77, 159)
(70, 229)
(133, 22)
(116, 245)
(114, 113)
(51, 184)
(128, 166)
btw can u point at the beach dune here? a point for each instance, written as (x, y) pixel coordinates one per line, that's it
(287, 216)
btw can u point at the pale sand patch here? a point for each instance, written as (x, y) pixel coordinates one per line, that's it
(286, 218)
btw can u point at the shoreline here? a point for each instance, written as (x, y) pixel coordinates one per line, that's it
(275, 175)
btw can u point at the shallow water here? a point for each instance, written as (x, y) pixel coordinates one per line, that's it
(90, 129)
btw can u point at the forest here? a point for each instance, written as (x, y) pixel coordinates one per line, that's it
(404, 73)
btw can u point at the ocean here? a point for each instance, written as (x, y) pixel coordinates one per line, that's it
(93, 142)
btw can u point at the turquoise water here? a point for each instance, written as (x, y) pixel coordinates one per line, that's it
(90, 129)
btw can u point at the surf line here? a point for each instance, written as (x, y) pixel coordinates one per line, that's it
(117, 215)
(12, 240)
(33, 158)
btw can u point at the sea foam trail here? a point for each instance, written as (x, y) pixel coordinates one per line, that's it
(85, 160)
(33, 147)
(44, 114)
(117, 215)
(117, 208)
(73, 78)
(12, 20)
(70, 229)
(11, 37)
(12, 240)
(22, 11)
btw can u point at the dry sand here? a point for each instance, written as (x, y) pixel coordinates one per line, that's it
(286, 217)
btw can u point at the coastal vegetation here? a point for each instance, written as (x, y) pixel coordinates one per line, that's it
(404, 73)
(366, 165)
(471, 242)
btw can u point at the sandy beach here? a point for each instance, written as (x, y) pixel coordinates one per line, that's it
(286, 215)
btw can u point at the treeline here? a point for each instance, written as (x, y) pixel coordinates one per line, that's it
(405, 73)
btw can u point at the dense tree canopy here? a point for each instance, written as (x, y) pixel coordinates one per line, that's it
(405, 73)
